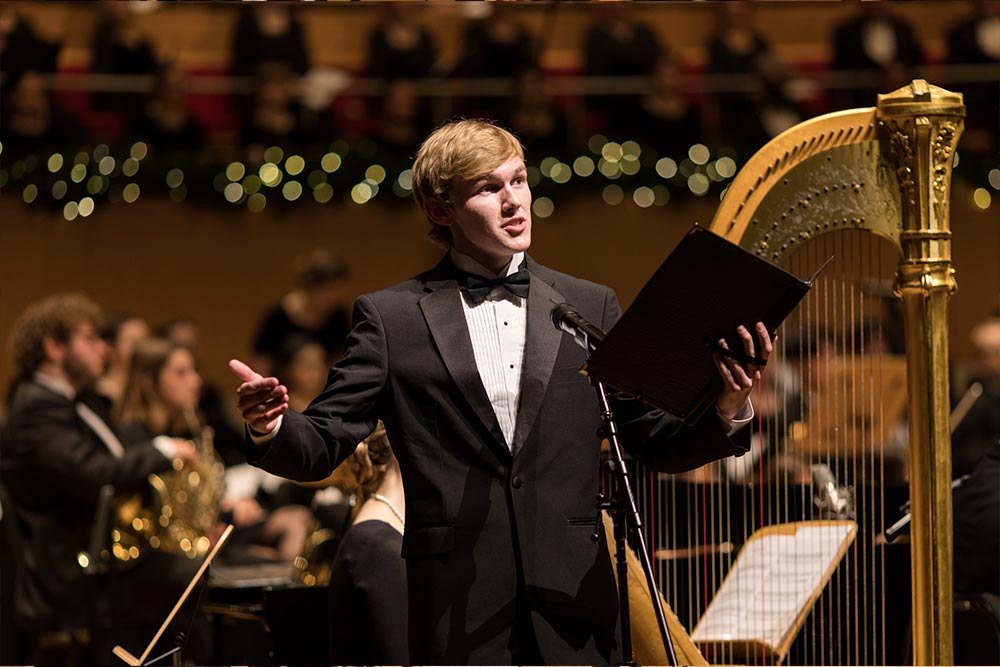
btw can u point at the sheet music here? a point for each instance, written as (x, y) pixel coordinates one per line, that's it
(771, 582)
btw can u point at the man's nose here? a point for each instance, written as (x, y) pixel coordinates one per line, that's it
(510, 198)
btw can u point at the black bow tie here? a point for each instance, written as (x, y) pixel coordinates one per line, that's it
(478, 288)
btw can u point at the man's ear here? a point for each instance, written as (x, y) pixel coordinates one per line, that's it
(439, 213)
(53, 349)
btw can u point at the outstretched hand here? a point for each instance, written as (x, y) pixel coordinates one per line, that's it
(261, 400)
(739, 378)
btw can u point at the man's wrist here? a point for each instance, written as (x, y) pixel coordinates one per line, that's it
(742, 417)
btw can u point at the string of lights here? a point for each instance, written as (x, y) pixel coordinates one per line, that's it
(76, 183)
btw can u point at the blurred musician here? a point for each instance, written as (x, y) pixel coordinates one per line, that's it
(368, 578)
(59, 449)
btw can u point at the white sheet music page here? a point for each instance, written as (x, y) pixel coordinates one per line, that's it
(771, 582)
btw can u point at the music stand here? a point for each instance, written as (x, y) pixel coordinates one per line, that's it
(133, 661)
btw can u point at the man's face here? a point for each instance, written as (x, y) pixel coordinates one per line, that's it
(85, 356)
(490, 217)
(986, 340)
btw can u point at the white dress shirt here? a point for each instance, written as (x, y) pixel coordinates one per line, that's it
(497, 327)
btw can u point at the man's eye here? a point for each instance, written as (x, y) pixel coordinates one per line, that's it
(488, 188)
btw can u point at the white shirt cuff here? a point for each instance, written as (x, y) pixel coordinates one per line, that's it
(744, 416)
(264, 438)
(165, 445)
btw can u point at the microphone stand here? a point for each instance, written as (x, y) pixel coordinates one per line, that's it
(624, 512)
(625, 517)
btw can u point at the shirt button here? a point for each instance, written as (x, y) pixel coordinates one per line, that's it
(505, 324)
(512, 365)
(515, 482)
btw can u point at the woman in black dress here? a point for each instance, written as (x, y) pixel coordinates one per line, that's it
(368, 581)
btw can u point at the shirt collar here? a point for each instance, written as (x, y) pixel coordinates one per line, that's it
(465, 263)
(55, 385)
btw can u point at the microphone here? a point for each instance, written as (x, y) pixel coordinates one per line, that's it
(565, 318)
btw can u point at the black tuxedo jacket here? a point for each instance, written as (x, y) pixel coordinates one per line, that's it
(53, 466)
(484, 526)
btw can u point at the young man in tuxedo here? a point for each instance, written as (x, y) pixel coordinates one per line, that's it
(493, 426)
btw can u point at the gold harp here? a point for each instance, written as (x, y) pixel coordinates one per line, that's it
(869, 187)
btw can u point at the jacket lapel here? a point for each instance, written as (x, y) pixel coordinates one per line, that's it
(442, 309)
(541, 346)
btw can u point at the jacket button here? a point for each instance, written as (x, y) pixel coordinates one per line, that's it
(515, 482)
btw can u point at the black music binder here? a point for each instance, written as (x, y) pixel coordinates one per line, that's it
(660, 351)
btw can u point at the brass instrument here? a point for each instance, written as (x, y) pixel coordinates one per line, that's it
(179, 510)
(315, 561)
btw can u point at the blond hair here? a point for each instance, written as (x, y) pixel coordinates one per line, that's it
(458, 150)
(56, 317)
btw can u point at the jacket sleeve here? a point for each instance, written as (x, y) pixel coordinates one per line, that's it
(308, 446)
(51, 440)
(662, 441)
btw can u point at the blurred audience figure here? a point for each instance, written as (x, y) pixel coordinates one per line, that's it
(494, 47)
(165, 123)
(122, 333)
(268, 32)
(399, 47)
(752, 106)
(979, 431)
(31, 121)
(399, 50)
(59, 448)
(212, 409)
(368, 620)
(315, 307)
(616, 45)
(878, 50)
(542, 126)
(976, 41)
(275, 116)
(667, 120)
(21, 49)
(120, 45)
(402, 118)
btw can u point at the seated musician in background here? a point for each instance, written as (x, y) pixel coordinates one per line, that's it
(493, 426)
(213, 410)
(121, 332)
(160, 401)
(976, 452)
(59, 449)
(979, 431)
(314, 307)
(368, 578)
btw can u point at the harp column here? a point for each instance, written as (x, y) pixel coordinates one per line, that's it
(919, 128)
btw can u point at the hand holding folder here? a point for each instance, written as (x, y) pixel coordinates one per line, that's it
(661, 350)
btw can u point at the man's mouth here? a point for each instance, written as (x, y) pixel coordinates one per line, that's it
(515, 225)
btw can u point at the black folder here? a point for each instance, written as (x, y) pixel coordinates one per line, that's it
(660, 350)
